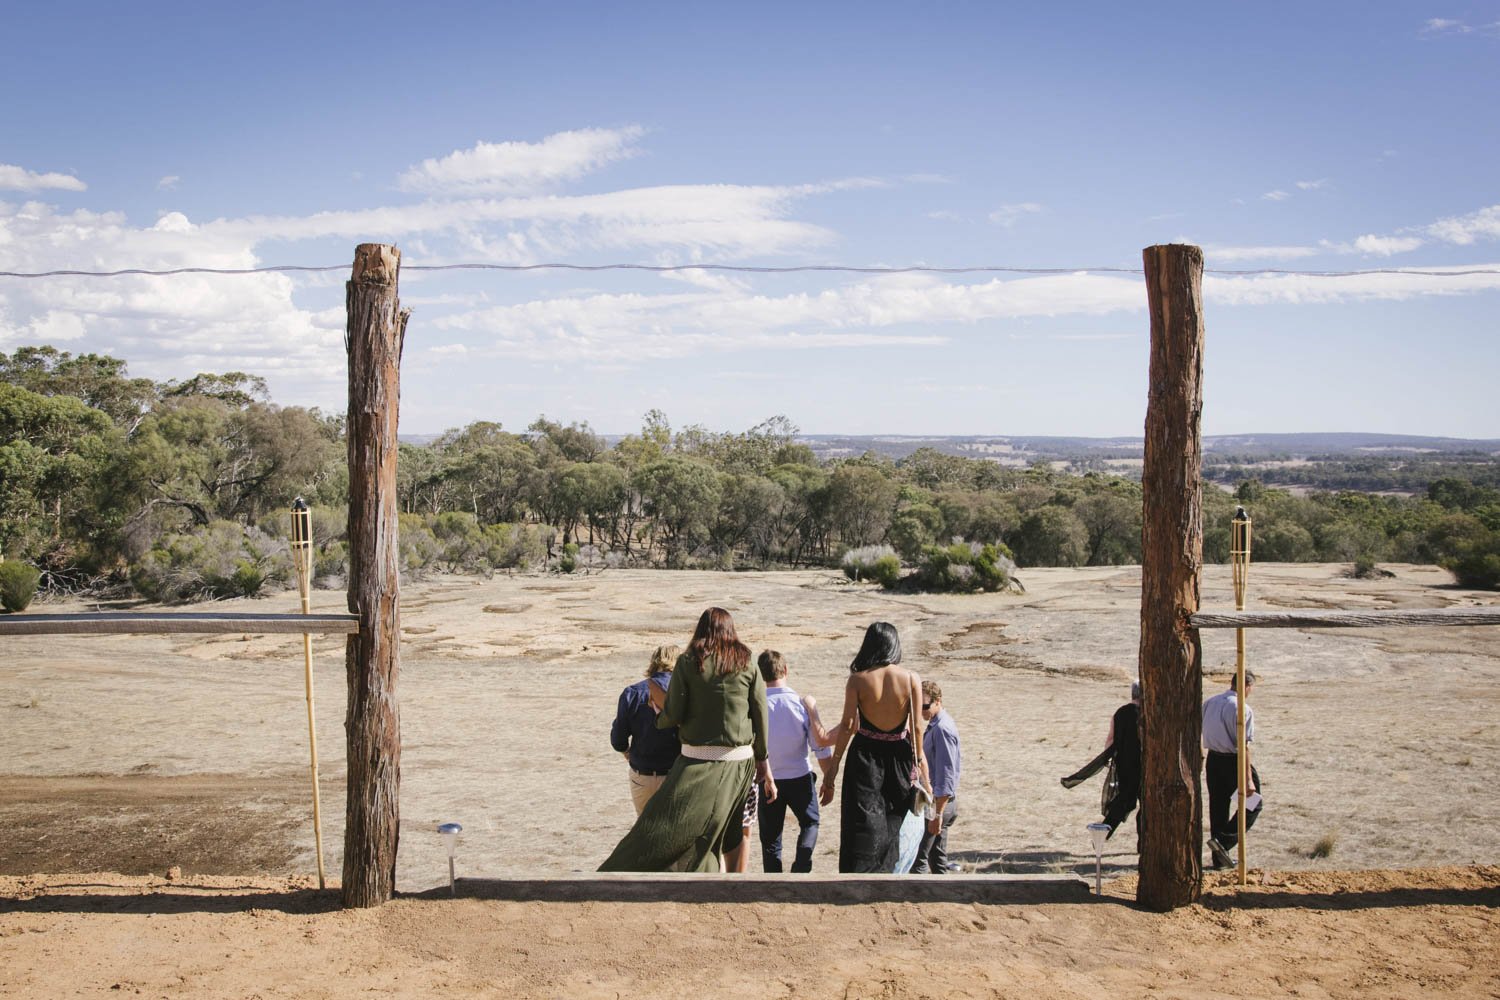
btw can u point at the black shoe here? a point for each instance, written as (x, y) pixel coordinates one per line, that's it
(1220, 855)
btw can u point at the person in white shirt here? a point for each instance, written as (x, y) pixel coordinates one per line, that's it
(794, 728)
(1220, 739)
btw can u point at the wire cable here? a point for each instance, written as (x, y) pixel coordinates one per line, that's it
(749, 269)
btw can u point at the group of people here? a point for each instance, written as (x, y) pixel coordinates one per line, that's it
(1122, 755)
(716, 745)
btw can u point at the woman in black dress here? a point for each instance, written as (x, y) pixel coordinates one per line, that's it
(881, 764)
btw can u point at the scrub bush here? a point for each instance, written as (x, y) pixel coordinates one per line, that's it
(873, 564)
(18, 583)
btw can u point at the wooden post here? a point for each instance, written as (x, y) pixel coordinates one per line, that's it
(373, 337)
(1171, 659)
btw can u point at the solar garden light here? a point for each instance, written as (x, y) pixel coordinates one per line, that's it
(450, 832)
(1099, 832)
(302, 560)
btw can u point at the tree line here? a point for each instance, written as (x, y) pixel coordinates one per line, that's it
(180, 489)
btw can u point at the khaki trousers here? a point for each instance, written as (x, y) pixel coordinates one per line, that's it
(642, 787)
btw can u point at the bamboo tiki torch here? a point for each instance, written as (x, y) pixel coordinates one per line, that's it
(1239, 557)
(302, 558)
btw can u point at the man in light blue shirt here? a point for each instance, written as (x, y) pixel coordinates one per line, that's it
(792, 723)
(1221, 767)
(940, 748)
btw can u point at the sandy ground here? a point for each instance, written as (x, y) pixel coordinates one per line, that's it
(133, 754)
(1416, 933)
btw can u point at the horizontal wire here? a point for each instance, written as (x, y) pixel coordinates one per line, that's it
(746, 269)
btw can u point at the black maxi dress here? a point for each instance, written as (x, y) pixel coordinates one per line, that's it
(876, 797)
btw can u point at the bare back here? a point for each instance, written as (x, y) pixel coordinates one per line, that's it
(882, 695)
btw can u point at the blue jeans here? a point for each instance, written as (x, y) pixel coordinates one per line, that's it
(932, 854)
(801, 796)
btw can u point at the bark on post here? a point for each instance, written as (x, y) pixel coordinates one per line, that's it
(373, 337)
(1171, 658)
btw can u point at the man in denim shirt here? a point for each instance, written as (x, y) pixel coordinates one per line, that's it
(790, 738)
(649, 751)
(940, 747)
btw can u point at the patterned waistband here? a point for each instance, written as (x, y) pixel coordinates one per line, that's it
(717, 753)
(875, 734)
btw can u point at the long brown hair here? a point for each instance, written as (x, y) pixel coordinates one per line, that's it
(715, 638)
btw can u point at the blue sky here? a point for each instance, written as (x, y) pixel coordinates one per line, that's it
(1300, 136)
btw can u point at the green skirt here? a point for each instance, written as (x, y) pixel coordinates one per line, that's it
(693, 818)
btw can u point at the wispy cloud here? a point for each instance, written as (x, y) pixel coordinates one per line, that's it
(1445, 26)
(708, 218)
(944, 215)
(1467, 229)
(522, 167)
(1460, 230)
(1009, 215)
(1386, 246)
(14, 178)
(1303, 289)
(1313, 185)
(168, 182)
(1277, 195)
(862, 314)
(1235, 255)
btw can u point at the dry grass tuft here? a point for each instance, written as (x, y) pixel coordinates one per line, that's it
(1324, 847)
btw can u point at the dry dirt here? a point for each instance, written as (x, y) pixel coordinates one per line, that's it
(134, 754)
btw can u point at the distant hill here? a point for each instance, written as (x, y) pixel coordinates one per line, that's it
(1025, 450)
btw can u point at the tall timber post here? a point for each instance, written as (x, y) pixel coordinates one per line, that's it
(374, 335)
(1171, 657)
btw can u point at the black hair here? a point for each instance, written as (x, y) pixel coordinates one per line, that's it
(881, 648)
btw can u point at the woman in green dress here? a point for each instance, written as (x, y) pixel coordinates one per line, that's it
(717, 701)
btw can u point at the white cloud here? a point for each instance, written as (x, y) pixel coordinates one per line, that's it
(168, 182)
(1467, 229)
(1277, 195)
(709, 218)
(883, 312)
(1009, 215)
(13, 178)
(1231, 255)
(1385, 246)
(1303, 289)
(173, 222)
(943, 215)
(608, 327)
(1313, 185)
(165, 326)
(1462, 230)
(520, 167)
(1445, 26)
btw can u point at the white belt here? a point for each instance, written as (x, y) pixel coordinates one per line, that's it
(717, 753)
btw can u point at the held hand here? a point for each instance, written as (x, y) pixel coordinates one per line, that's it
(767, 782)
(825, 793)
(935, 825)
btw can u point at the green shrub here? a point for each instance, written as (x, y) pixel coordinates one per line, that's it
(516, 545)
(1480, 570)
(221, 561)
(568, 561)
(873, 564)
(966, 567)
(18, 582)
